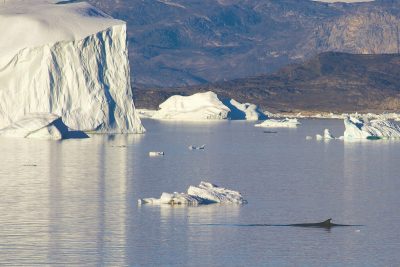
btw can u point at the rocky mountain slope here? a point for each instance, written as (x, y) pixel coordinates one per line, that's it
(329, 82)
(180, 42)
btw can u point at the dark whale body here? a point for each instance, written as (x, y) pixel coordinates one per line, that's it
(327, 224)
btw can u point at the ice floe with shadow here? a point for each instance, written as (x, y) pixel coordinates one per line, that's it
(204, 193)
(284, 123)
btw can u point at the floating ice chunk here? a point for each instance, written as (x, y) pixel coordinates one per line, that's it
(172, 199)
(328, 135)
(363, 129)
(213, 193)
(308, 137)
(193, 147)
(205, 193)
(286, 123)
(156, 153)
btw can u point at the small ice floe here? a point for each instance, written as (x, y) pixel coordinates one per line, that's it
(204, 193)
(327, 136)
(285, 123)
(308, 137)
(193, 147)
(172, 199)
(156, 153)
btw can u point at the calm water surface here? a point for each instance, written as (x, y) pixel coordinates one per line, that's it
(75, 202)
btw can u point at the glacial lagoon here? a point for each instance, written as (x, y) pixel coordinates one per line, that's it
(74, 202)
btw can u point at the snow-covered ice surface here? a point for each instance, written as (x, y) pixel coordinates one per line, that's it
(205, 193)
(200, 106)
(69, 60)
(357, 128)
(172, 199)
(285, 123)
(204, 106)
(213, 194)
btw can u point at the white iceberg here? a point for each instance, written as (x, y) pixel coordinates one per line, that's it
(285, 123)
(205, 193)
(200, 106)
(67, 60)
(156, 153)
(357, 128)
(213, 194)
(204, 106)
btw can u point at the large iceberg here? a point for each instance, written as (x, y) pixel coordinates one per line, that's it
(205, 106)
(68, 61)
(357, 128)
(205, 193)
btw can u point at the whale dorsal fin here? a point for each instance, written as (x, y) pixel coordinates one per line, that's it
(327, 222)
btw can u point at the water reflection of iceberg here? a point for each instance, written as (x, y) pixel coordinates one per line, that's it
(88, 184)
